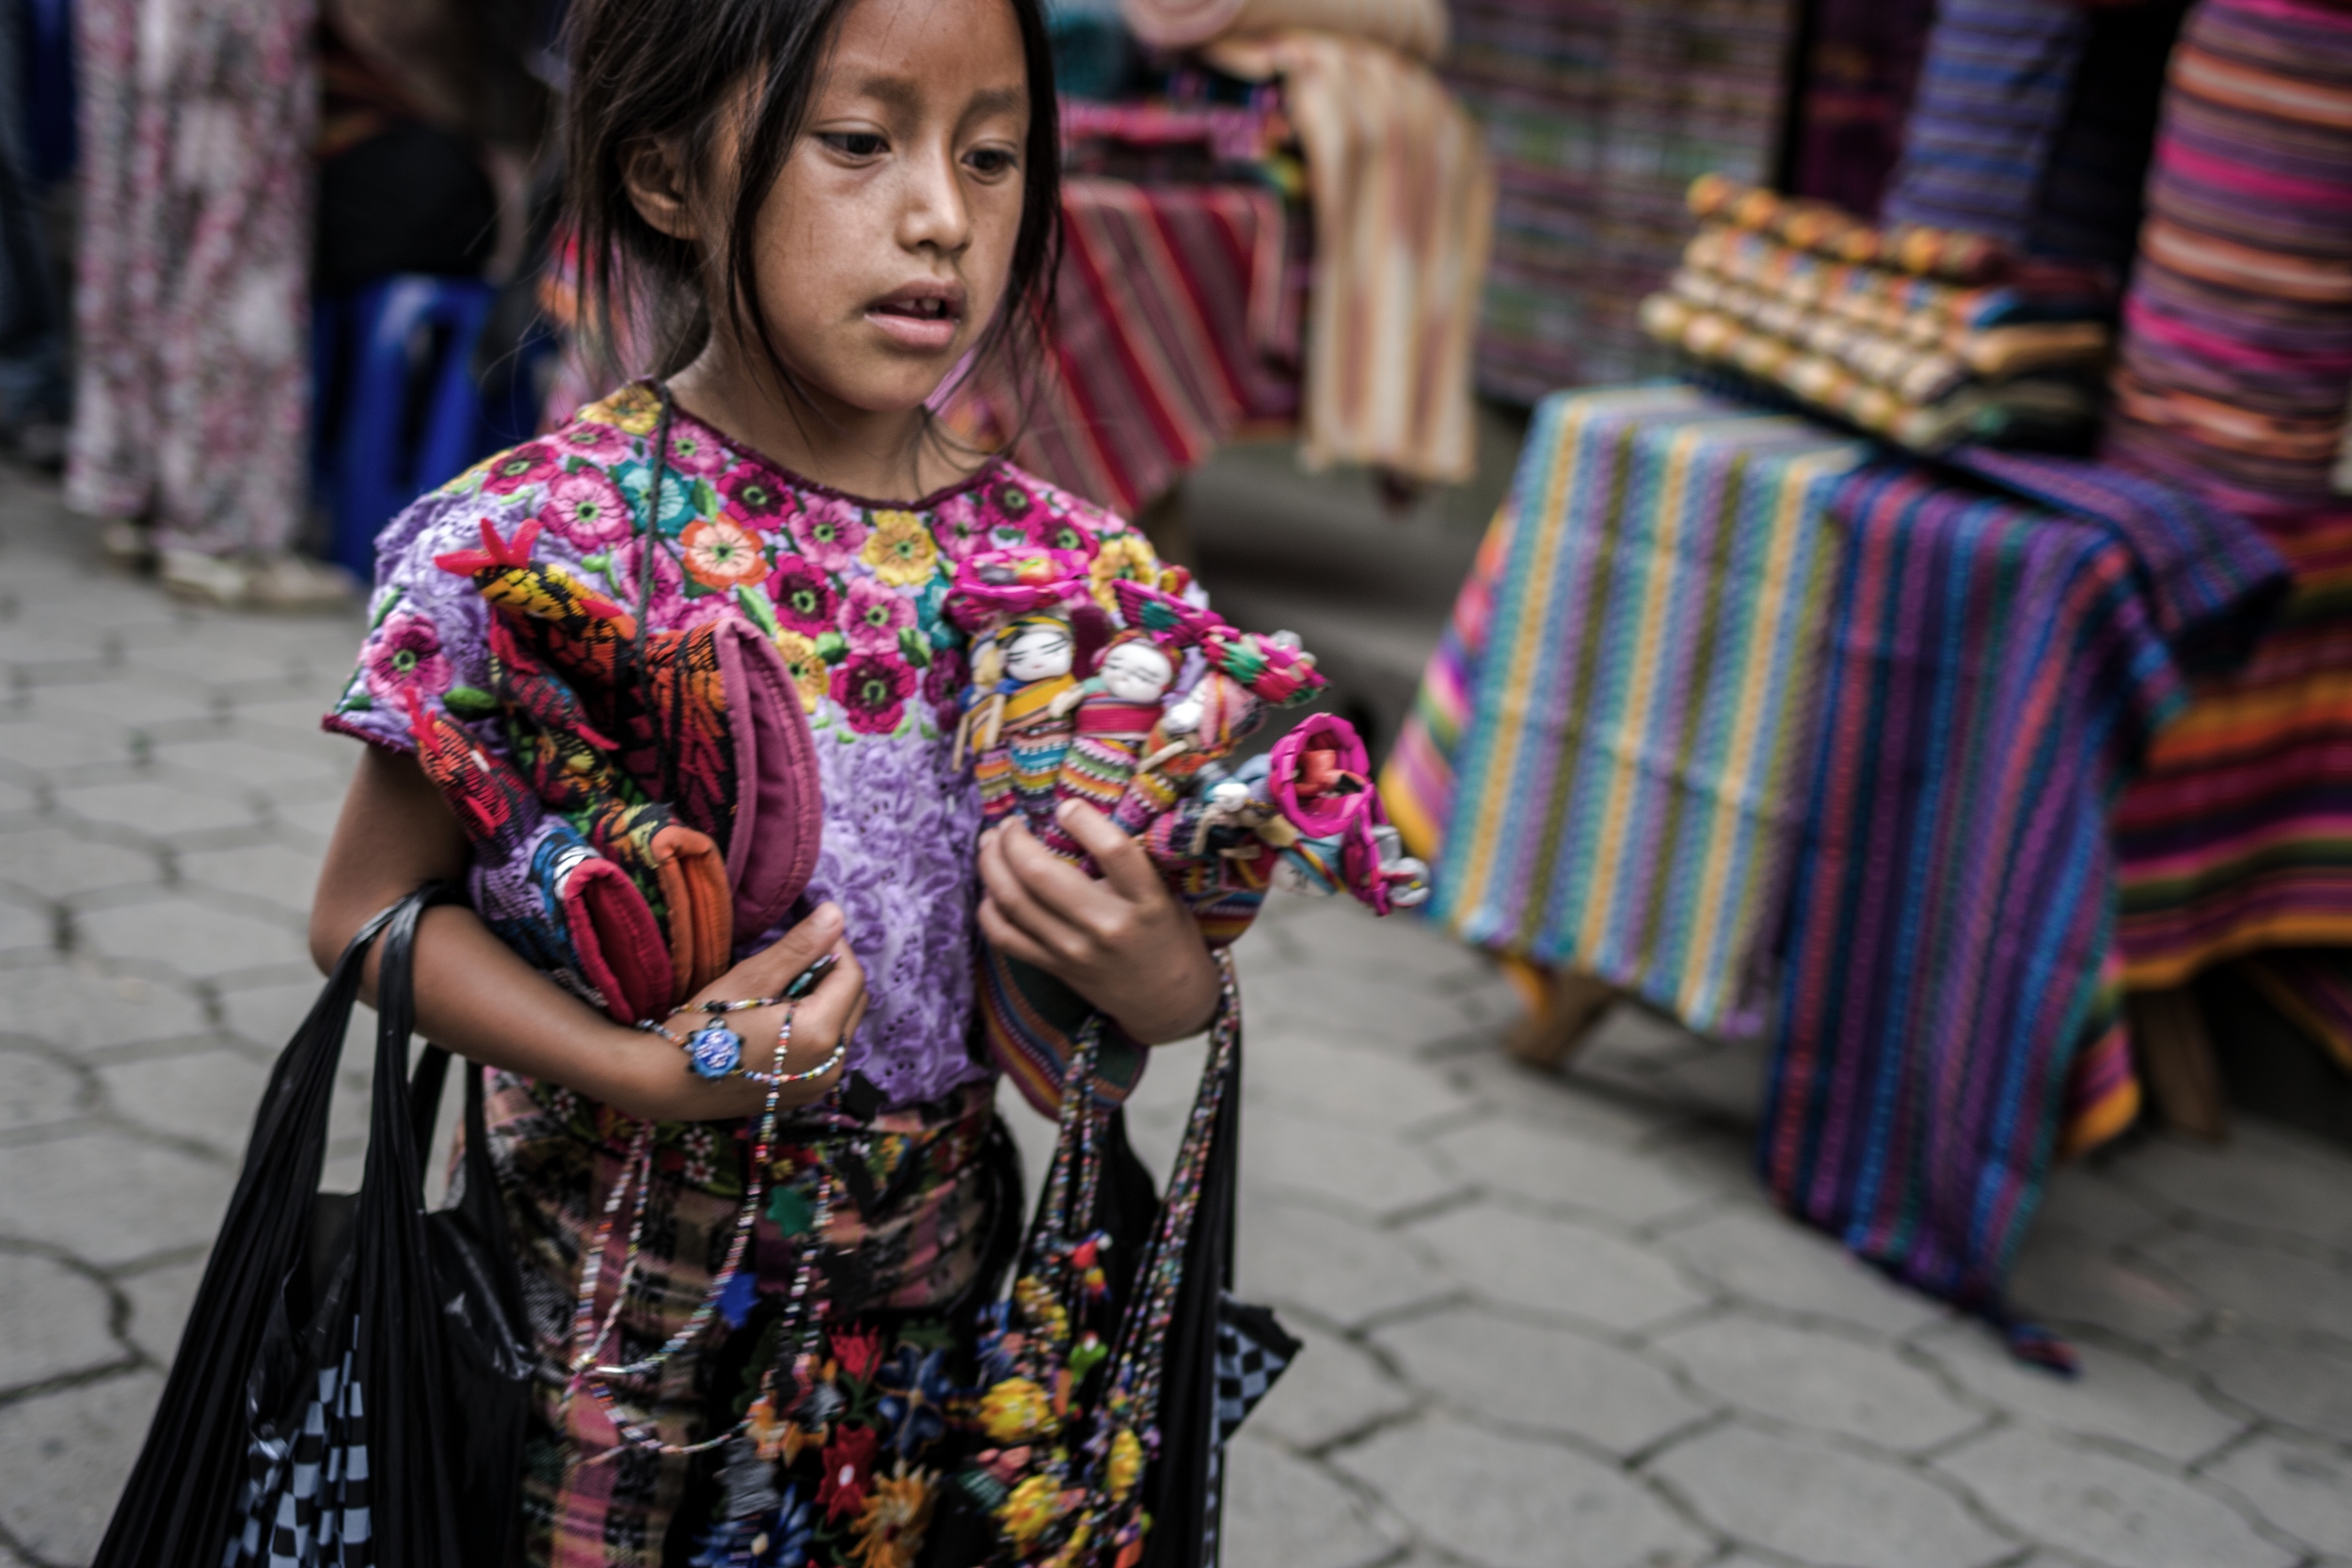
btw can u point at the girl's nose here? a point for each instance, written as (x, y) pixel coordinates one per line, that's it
(936, 213)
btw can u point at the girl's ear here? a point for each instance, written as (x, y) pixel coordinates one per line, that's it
(657, 187)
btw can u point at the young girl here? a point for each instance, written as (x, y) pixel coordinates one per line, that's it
(830, 205)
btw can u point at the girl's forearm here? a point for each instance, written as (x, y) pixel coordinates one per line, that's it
(473, 994)
(477, 998)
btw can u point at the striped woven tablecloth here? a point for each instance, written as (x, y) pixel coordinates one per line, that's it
(1717, 698)
(1628, 773)
(1995, 671)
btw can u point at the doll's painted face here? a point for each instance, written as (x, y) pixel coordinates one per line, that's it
(1038, 652)
(1137, 672)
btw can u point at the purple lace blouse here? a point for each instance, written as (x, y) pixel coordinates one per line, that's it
(855, 590)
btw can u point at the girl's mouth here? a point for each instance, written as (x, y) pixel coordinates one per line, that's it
(925, 318)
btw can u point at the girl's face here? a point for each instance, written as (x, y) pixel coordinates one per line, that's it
(885, 245)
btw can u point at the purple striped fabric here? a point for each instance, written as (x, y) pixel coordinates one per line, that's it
(1993, 672)
(1992, 99)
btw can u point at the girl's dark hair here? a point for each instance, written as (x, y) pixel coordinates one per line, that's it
(642, 72)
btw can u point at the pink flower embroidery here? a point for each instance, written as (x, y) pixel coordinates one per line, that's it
(719, 554)
(692, 451)
(587, 509)
(872, 691)
(597, 443)
(759, 500)
(1059, 533)
(805, 600)
(404, 654)
(942, 683)
(532, 463)
(669, 583)
(829, 533)
(876, 614)
(959, 527)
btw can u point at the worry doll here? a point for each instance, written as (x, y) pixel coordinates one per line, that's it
(1039, 659)
(1115, 710)
(1204, 724)
(1018, 604)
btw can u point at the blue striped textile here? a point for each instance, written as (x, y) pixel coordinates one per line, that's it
(1992, 96)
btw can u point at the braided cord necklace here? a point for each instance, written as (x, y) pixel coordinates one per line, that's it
(589, 1336)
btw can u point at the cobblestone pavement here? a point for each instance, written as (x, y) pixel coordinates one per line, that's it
(1551, 1322)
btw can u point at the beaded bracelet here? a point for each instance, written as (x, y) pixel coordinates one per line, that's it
(715, 1051)
(777, 1079)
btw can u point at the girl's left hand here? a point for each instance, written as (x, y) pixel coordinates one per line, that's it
(1123, 942)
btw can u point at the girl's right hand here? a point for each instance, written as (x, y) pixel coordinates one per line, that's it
(820, 1021)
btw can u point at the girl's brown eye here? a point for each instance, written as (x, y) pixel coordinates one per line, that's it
(854, 144)
(991, 160)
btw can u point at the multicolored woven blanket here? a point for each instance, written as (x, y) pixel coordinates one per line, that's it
(1591, 765)
(1629, 772)
(1995, 673)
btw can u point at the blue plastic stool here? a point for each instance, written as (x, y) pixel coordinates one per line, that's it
(394, 365)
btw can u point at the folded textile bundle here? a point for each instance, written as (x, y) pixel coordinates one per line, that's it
(1628, 772)
(2237, 341)
(1954, 255)
(2026, 410)
(1917, 367)
(1901, 304)
(1417, 27)
(1788, 292)
(1403, 215)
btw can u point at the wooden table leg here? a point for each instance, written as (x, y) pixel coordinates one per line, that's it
(2176, 1054)
(1550, 1034)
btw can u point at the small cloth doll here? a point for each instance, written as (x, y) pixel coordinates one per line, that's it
(1024, 608)
(1039, 656)
(1116, 708)
(1244, 674)
(1204, 724)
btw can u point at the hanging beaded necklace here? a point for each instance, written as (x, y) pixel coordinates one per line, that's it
(802, 1312)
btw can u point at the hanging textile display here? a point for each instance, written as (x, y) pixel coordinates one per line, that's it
(1993, 672)
(192, 298)
(1176, 330)
(1403, 197)
(2235, 838)
(1628, 773)
(1415, 27)
(2237, 347)
(2235, 356)
(2088, 206)
(1861, 64)
(1600, 116)
(1992, 98)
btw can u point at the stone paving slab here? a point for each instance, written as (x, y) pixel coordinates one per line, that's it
(1550, 1320)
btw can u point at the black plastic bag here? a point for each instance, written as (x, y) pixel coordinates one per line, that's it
(355, 1376)
(1223, 1357)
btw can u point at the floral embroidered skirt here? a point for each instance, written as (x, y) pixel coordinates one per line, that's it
(918, 1213)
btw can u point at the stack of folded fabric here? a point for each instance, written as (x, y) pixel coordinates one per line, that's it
(1926, 336)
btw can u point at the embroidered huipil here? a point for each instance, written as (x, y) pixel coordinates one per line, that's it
(854, 593)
